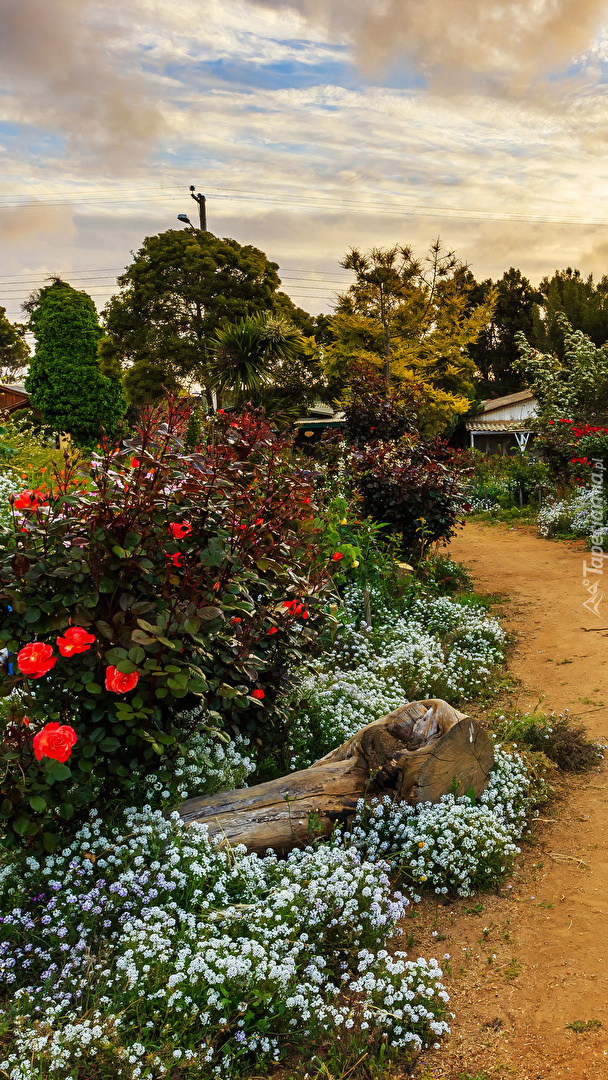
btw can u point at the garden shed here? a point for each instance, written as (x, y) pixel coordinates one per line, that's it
(504, 425)
(13, 396)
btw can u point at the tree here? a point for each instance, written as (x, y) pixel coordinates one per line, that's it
(411, 316)
(180, 288)
(584, 304)
(65, 381)
(14, 353)
(575, 387)
(495, 352)
(264, 360)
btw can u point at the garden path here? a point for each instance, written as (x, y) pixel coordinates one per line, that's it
(531, 961)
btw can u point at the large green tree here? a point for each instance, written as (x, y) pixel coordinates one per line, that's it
(414, 318)
(14, 353)
(495, 352)
(584, 304)
(180, 288)
(573, 386)
(65, 382)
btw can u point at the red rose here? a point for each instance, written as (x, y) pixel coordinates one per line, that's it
(75, 640)
(337, 555)
(235, 620)
(304, 614)
(120, 683)
(36, 659)
(258, 695)
(176, 558)
(54, 741)
(134, 463)
(179, 530)
(272, 630)
(30, 500)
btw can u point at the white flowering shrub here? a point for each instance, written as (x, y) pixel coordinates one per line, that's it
(150, 949)
(575, 515)
(454, 845)
(437, 648)
(207, 762)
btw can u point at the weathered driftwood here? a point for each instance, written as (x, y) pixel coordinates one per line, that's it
(415, 754)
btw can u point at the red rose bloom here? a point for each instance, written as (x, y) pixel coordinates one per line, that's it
(134, 463)
(179, 530)
(36, 659)
(120, 683)
(176, 558)
(75, 640)
(272, 630)
(258, 694)
(30, 500)
(337, 555)
(54, 741)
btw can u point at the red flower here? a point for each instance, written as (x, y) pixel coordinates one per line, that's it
(220, 412)
(176, 558)
(26, 720)
(272, 630)
(30, 500)
(134, 463)
(75, 640)
(178, 531)
(258, 694)
(54, 741)
(120, 683)
(304, 614)
(337, 555)
(259, 521)
(36, 659)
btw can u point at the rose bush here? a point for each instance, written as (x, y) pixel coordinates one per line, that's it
(164, 581)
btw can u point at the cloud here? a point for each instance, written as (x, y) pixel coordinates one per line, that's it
(70, 68)
(506, 43)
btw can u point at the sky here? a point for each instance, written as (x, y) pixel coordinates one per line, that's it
(311, 127)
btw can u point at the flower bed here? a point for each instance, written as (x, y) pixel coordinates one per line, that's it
(437, 647)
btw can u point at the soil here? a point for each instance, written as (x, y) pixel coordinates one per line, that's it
(527, 963)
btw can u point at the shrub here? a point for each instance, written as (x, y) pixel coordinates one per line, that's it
(194, 579)
(375, 412)
(560, 738)
(415, 487)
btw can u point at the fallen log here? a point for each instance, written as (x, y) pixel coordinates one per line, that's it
(418, 753)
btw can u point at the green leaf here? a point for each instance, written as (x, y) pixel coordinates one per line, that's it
(114, 655)
(37, 803)
(105, 629)
(164, 738)
(137, 654)
(20, 825)
(32, 615)
(148, 626)
(132, 539)
(210, 614)
(109, 745)
(142, 638)
(48, 841)
(67, 810)
(85, 765)
(59, 771)
(192, 626)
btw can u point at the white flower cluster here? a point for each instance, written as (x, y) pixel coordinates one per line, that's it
(10, 484)
(211, 763)
(454, 845)
(437, 648)
(150, 946)
(576, 515)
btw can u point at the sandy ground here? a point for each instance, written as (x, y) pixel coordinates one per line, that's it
(527, 963)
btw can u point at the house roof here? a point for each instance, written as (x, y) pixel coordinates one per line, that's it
(496, 426)
(509, 399)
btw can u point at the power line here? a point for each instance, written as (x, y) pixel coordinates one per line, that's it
(326, 202)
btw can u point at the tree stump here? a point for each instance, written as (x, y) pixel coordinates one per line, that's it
(418, 753)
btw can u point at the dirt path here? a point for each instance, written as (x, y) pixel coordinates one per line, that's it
(526, 964)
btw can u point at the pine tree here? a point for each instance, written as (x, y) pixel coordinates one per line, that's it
(65, 382)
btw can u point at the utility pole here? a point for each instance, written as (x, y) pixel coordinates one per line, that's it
(202, 208)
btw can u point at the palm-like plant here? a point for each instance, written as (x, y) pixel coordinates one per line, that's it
(244, 354)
